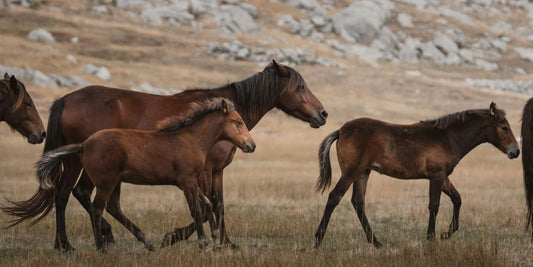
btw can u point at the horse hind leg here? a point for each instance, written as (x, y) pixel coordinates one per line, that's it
(68, 178)
(455, 197)
(358, 202)
(98, 206)
(334, 198)
(113, 208)
(82, 192)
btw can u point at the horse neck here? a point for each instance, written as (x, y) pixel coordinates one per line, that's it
(205, 132)
(466, 137)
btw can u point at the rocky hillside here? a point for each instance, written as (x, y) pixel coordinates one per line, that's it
(487, 42)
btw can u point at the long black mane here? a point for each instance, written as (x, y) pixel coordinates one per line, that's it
(460, 117)
(256, 95)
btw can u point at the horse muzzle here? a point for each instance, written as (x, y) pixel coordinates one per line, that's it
(318, 119)
(513, 152)
(36, 138)
(249, 146)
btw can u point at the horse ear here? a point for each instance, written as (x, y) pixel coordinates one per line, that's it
(14, 84)
(6, 76)
(225, 108)
(279, 68)
(492, 109)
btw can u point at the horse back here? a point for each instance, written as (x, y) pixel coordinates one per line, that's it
(94, 108)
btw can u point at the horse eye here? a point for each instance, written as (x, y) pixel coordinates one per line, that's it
(28, 104)
(505, 129)
(239, 123)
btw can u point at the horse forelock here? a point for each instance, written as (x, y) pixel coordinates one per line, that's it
(195, 111)
(462, 117)
(260, 92)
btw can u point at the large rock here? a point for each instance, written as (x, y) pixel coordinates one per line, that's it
(41, 35)
(405, 20)
(488, 66)
(429, 50)
(362, 21)
(446, 11)
(236, 19)
(200, 7)
(525, 53)
(100, 72)
(445, 43)
(175, 12)
(304, 4)
(410, 50)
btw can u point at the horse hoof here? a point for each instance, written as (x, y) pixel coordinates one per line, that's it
(65, 247)
(150, 247)
(102, 250)
(377, 244)
(431, 237)
(445, 235)
(168, 240)
(109, 239)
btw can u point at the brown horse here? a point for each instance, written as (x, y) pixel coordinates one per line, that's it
(172, 155)
(77, 115)
(527, 159)
(426, 150)
(18, 110)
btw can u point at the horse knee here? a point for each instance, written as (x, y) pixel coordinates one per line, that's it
(457, 201)
(433, 207)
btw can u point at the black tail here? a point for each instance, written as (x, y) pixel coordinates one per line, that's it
(527, 158)
(43, 200)
(324, 180)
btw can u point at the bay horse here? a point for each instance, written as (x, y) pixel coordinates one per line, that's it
(18, 111)
(426, 150)
(174, 154)
(527, 159)
(76, 116)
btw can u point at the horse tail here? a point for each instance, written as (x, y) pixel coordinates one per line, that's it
(54, 137)
(527, 158)
(48, 173)
(324, 180)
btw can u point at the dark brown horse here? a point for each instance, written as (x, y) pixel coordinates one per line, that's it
(172, 155)
(18, 110)
(77, 115)
(426, 150)
(527, 159)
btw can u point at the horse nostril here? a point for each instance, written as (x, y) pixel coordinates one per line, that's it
(43, 135)
(324, 114)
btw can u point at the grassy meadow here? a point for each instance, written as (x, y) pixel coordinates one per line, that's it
(272, 210)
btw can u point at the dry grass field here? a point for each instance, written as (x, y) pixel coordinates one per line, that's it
(272, 210)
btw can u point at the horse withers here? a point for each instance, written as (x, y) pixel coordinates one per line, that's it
(18, 111)
(172, 155)
(425, 150)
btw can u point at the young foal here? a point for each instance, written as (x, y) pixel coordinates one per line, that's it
(172, 155)
(18, 110)
(425, 150)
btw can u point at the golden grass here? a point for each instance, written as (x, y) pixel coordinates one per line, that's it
(272, 210)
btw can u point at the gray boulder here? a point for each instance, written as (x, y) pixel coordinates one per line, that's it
(405, 20)
(252, 10)
(445, 43)
(41, 36)
(525, 53)
(410, 50)
(447, 12)
(430, 51)
(200, 7)
(488, 66)
(236, 19)
(176, 12)
(19, 73)
(362, 21)
(40, 79)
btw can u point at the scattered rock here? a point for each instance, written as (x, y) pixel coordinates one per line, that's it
(488, 66)
(178, 12)
(41, 36)
(250, 9)
(525, 53)
(235, 19)
(74, 39)
(362, 21)
(447, 12)
(445, 43)
(405, 20)
(522, 87)
(100, 72)
(71, 58)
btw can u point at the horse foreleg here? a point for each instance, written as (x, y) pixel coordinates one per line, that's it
(358, 202)
(98, 206)
(82, 192)
(193, 199)
(450, 190)
(435, 188)
(113, 207)
(334, 198)
(218, 204)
